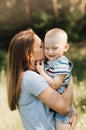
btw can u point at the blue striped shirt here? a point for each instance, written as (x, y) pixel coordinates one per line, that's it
(60, 65)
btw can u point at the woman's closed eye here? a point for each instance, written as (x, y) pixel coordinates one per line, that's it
(41, 46)
(46, 48)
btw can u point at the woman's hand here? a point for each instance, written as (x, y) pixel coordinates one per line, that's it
(73, 120)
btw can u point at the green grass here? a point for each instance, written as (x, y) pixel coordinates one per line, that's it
(10, 120)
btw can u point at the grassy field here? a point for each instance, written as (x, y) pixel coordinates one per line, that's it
(8, 120)
(11, 120)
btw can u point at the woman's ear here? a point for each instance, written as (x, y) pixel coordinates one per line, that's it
(31, 57)
(27, 56)
(66, 47)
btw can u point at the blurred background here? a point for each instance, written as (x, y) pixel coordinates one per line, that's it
(70, 15)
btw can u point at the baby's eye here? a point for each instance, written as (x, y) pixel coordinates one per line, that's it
(54, 48)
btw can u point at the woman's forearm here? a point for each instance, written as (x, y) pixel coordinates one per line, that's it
(55, 101)
(68, 94)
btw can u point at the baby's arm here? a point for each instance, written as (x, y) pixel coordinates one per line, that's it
(55, 82)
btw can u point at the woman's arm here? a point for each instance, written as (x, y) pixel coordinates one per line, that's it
(56, 101)
(68, 94)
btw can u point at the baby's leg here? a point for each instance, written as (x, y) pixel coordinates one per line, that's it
(62, 126)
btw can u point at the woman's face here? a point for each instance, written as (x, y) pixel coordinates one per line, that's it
(38, 49)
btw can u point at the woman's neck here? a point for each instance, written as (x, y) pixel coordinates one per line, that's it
(32, 68)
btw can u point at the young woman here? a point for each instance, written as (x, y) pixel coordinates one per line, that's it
(27, 90)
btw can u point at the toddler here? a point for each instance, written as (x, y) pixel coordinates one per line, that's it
(57, 69)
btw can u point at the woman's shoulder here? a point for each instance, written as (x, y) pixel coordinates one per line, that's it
(30, 73)
(29, 77)
(34, 80)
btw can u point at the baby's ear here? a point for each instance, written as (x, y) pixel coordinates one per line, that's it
(66, 47)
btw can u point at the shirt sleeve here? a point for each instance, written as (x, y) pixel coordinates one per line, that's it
(62, 67)
(34, 83)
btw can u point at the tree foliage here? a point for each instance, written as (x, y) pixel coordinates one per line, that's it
(42, 16)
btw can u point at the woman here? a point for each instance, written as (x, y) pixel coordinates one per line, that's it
(27, 90)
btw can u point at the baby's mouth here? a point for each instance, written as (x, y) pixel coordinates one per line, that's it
(51, 55)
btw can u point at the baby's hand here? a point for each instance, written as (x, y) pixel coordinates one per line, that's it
(40, 66)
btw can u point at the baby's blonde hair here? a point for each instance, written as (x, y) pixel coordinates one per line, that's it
(56, 35)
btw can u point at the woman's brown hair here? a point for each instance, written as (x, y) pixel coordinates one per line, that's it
(20, 45)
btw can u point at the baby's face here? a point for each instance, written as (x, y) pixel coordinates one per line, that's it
(54, 50)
